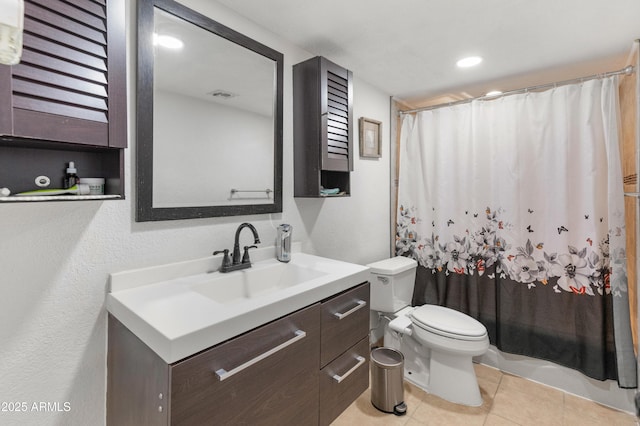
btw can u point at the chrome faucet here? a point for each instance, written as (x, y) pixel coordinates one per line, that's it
(236, 262)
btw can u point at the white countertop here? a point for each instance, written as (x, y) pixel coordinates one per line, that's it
(159, 306)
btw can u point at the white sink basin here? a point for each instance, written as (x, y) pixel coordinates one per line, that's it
(258, 281)
(182, 308)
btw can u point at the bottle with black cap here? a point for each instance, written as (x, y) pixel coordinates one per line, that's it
(71, 178)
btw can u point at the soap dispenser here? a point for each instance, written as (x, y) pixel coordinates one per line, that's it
(283, 243)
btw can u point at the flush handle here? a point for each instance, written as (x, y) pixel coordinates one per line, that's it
(224, 374)
(339, 379)
(360, 304)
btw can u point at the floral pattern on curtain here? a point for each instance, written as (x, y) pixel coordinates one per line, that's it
(513, 209)
(581, 271)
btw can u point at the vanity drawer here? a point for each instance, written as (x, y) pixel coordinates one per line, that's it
(343, 380)
(345, 320)
(265, 376)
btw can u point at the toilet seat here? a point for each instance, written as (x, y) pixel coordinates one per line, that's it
(448, 323)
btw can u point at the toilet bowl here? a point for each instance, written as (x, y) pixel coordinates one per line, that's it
(438, 343)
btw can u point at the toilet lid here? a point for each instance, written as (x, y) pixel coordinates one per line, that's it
(448, 322)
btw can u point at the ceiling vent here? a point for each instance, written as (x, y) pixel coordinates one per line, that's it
(222, 94)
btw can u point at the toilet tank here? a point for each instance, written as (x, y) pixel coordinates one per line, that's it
(392, 282)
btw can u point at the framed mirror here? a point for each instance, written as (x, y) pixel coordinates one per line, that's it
(209, 118)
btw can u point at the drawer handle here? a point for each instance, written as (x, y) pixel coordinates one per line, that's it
(361, 304)
(224, 374)
(339, 379)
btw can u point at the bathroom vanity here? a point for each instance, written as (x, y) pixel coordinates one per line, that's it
(295, 351)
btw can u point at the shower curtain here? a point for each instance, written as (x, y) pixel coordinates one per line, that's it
(514, 210)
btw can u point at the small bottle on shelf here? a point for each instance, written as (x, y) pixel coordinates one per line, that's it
(71, 178)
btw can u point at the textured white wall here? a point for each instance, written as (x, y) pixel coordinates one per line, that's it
(55, 257)
(356, 228)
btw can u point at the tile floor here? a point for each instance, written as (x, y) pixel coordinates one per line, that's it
(508, 401)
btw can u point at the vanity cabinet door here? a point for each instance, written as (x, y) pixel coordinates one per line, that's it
(70, 85)
(343, 381)
(345, 321)
(267, 376)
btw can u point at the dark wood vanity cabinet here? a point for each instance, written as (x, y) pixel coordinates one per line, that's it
(236, 383)
(67, 96)
(344, 351)
(322, 126)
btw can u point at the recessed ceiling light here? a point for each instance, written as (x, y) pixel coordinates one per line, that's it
(471, 61)
(493, 93)
(167, 41)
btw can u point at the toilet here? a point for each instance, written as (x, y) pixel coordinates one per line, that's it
(438, 343)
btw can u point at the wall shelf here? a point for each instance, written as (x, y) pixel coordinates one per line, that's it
(23, 160)
(20, 198)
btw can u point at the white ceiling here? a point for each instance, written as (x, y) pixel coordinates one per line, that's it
(409, 48)
(207, 64)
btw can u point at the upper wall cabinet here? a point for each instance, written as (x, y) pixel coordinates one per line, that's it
(70, 83)
(66, 99)
(323, 130)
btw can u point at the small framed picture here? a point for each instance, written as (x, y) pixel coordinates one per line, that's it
(370, 138)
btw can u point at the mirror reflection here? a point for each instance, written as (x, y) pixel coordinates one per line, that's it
(210, 142)
(213, 125)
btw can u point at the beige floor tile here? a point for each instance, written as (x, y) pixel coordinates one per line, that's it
(362, 412)
(413, 397)
(535, 408)
(381, 419)
(581, 409)
(493, 420)
(489, 380)
(511, 383)
(572, 418)
(437, 411)
(414, 422)
(487, 373)
(488, 391)
(508, 401)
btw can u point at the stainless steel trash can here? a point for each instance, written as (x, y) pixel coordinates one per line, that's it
(387, 391)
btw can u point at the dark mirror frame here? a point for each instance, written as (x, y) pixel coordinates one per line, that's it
(144, 112)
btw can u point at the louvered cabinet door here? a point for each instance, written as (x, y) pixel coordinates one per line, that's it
(337, 135)
(322, 127)
(70, 85)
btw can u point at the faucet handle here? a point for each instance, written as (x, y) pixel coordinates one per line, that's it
(226, 261)
(245, 256)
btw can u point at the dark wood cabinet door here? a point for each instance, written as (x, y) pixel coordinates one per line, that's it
(345, 320)
(343, 381)
(207, 389)
(70, 85)
(336, 88)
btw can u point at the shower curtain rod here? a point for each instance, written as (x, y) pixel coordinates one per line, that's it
(627, 71)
